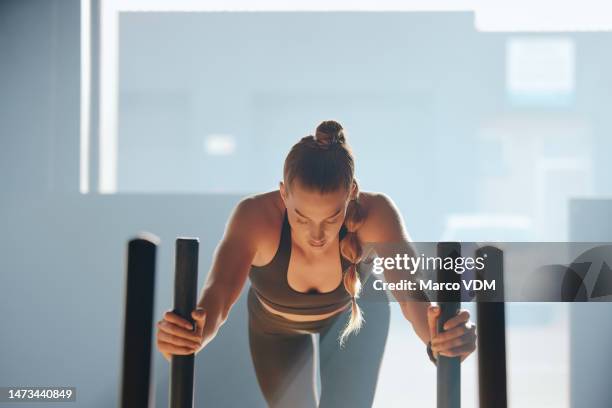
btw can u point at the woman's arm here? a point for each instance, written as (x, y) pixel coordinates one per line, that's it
(230, 268)
(384, 224)
(231, 264)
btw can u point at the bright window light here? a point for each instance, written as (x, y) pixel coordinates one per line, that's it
(85, 97)
(219, 144)
(489, 15)
(540, 70)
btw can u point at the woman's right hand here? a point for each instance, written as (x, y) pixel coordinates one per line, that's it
(176, 336)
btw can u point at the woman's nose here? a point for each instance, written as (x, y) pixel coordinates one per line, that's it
(317, 234)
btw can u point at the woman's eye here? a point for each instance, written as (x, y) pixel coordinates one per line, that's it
(333, 221)
(301, 221)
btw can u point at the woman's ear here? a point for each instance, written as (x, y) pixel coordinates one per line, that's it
(283, 191)
(354, 191)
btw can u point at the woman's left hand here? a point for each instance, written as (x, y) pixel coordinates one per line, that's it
(459, 337)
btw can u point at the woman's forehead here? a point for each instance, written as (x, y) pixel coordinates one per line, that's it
(315, 197)
(314, 204)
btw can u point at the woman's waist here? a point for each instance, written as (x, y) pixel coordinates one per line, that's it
(305, 314)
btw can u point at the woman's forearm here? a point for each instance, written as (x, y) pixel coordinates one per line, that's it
(416, 313)
(217, 304)
(217, 311)
(227, 277)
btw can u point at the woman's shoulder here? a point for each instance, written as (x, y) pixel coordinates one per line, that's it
(267, 204)
(260, 216)
(373, 202)
(382, 217)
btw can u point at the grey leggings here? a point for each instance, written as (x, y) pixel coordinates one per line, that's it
(283, 356)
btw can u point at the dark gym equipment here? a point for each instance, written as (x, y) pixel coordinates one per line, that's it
(136, 390)
(448, 368)
(185, 294)
(136, 387)
(491, 324)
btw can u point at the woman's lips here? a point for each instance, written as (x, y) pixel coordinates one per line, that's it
(317, 244)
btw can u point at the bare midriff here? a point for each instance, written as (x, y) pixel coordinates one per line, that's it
(302, 318)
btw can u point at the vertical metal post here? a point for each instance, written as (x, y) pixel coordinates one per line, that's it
(448, 368)
(185, 294)
(136, 387)
(491, 328)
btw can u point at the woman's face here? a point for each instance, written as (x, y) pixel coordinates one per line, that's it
(315, 218)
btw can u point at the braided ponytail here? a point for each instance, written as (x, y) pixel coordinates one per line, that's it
(352, 250)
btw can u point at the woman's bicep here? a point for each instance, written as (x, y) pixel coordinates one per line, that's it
(236, 250)
(231, 261)
(232, 258)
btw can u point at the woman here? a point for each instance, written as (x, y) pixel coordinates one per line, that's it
(300, 246)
